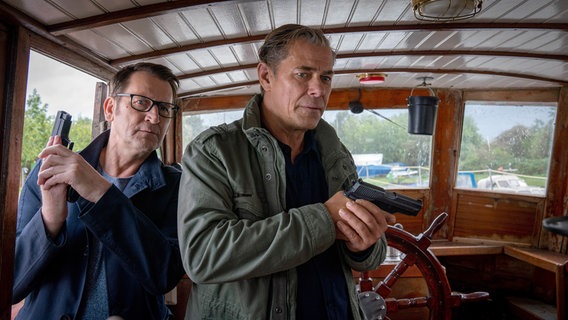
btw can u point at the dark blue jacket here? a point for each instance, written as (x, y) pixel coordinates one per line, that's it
(138, 233)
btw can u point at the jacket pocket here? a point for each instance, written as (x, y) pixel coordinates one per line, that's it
(248, 206)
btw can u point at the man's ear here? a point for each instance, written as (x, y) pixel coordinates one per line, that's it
(109, 108)
(264, 75)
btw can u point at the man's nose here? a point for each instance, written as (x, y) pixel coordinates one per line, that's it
(316, 87)
(152, 115)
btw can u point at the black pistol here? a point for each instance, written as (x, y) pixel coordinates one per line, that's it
(389, 201)
(61, 128)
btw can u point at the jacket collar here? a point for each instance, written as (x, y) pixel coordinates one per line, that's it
(251, 119)
(149, 175)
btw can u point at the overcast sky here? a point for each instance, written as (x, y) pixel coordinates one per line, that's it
(61, 87)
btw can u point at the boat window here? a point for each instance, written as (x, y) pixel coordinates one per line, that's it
(54, 86)
(506, 147)
(195, 123)
(384, 152)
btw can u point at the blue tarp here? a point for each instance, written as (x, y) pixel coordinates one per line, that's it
(372, 170)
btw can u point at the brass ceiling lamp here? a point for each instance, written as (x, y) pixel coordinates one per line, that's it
(445, 10)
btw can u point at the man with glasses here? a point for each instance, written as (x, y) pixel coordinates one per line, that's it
(113, 249)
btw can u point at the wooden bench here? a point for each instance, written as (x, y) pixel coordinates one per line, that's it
(451, 248)
(547, 260)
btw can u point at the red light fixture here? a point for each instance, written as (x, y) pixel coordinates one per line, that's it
(371, 78)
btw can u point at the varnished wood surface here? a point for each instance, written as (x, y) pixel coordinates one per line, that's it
(555, 262)
(14, 55)
(544, 259)
(449, 248)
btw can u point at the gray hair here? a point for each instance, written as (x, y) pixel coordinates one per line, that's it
(277, 43)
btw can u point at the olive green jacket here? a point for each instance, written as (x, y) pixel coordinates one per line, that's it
(238, 244)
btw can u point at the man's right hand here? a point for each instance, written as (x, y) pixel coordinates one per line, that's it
(54, 198)
(60, 168)
(359, 223)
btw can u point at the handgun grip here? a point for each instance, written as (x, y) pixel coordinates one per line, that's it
(389, 201)
(61, 128)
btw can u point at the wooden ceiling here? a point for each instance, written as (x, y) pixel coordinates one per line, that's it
(213, 45)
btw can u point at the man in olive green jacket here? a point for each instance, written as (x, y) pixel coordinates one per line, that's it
(241, 242)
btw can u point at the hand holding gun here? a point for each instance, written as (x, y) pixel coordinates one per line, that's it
(61, 128)
(389, 201)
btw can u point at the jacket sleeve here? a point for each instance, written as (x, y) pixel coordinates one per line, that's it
(226, 233)
(376, 256)
(141, 233)
(34, 248)
(377, 253)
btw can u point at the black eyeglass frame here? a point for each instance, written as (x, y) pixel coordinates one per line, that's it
(169, 106)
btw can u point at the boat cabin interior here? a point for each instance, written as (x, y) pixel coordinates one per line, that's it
(462, 104)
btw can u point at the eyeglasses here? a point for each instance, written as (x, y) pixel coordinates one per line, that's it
(145, 104)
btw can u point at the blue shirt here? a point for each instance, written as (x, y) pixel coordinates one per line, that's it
(94, 303)
(322, 291)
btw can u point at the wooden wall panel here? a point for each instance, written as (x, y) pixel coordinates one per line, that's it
(497, 217)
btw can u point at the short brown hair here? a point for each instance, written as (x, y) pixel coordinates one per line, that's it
(120, 80)
(277, 43)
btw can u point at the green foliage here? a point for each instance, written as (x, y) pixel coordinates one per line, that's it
(38, 126)
(37, 129)
(80, 133)
(191, 127)
(521, 148)
(367, 133)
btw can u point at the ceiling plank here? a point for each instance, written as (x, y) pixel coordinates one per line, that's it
(397, 53)
(130, 14)
(187, 94)
(254, 38)
(189, 47)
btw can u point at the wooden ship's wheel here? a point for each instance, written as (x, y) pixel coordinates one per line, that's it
(377, 304)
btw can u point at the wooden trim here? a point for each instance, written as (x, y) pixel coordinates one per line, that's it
(168, 144)
(557, 202)
(15, 62)
(178, 138)
(445, 158)
(99, 123)
(371, 98)
(544, 259)
(74, 56)
(451, 248)
(529, 95)
(385, 268)
(406, 53)
(547, 260)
